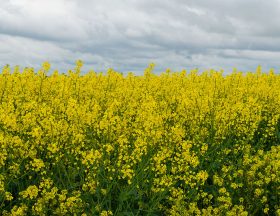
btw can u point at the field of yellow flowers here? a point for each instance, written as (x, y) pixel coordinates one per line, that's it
(107, 144)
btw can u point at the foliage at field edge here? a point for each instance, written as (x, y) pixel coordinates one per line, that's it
(171, 144)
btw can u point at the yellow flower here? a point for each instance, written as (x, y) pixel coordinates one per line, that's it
(106, 213)
(38, 164)
(31, 192)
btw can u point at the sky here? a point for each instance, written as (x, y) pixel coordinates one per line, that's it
(127, 35)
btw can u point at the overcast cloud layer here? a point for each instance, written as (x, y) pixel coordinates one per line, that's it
(127, 34)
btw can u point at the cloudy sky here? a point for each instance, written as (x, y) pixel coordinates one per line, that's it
(129, 34)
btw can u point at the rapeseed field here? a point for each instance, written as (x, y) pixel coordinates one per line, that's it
(177, 143)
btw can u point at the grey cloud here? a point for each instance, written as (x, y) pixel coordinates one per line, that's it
(127, 35)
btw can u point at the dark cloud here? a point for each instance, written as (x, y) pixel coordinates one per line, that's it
(128, 35)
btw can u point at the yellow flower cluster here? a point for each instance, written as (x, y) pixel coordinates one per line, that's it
(176, 143)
